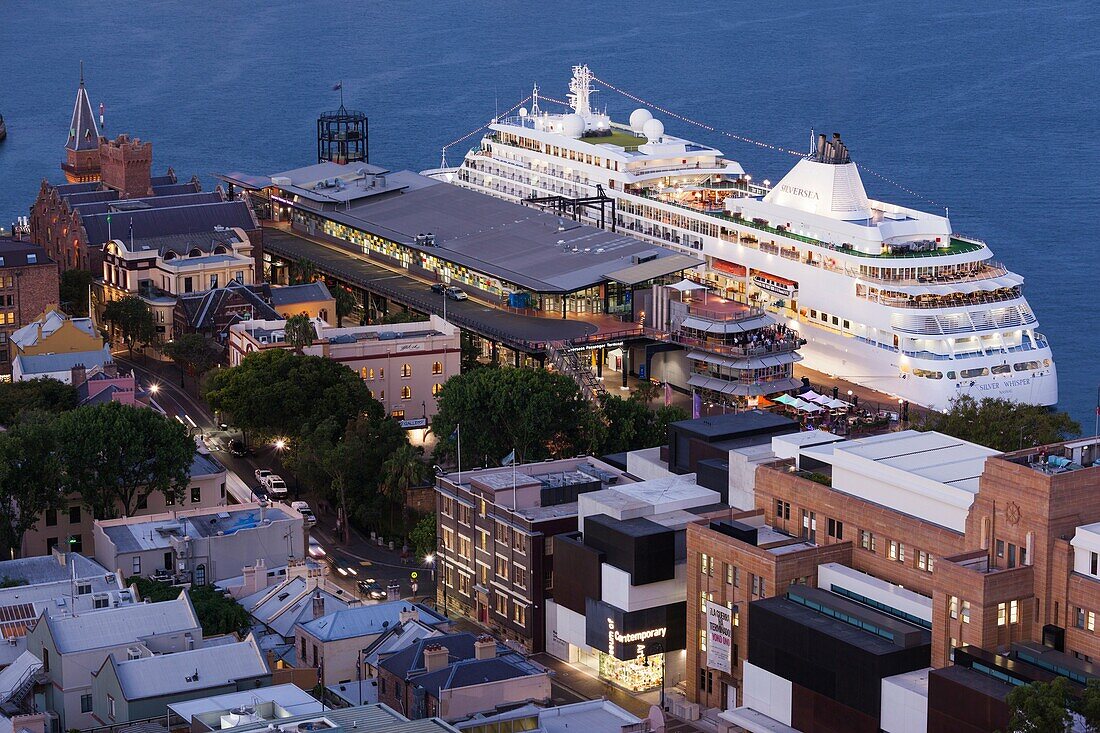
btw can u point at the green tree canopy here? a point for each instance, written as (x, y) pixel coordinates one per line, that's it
(345, 303)
(1001, 424)
(115, 456)
(403, 317)
(193, 352)
(1040, 707)
(131, 318)
(403, 469)
(633, 426)
(49, 395)
(217, 614)
(30, 477)
(422, 538)
(276, 392)
(73, 292)
(298, 332)
(535, 412)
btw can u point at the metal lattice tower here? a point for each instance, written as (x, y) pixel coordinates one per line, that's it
(342, 136)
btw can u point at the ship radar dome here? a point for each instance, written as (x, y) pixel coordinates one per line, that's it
(638, 118)
(653, 129)
(522, 111)
(572, 125)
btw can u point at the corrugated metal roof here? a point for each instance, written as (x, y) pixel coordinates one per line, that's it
(654, 268)
(307, 292)
(111, 627)
(363, 719)
(171, 220)
(53, 363)
(91, 208)
(189, 671)
(365, 620)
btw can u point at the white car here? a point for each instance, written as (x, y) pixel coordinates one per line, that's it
(307, 514)
(275, 485)
(315, 550)
(261, 474)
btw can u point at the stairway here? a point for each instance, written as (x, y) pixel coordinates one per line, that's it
(565, 361)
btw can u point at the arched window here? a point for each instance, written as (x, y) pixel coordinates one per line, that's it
(406, 392)
(406, 370)
(196, 252)
(437, 367)
(370, 393)
(363, 373)
(370, 373)
(436, 389)
(200, 575)
(169, 255)
(220, 249)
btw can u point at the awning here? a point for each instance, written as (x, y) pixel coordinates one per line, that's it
(742, 326)
(837, 405)
(686, 285)
(809, 395)
(745, 362)
(654, 268)
(742, 390)
(786, 399)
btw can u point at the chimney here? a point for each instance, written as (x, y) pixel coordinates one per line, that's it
(110, 369)
(409, 614)
(79, 375)
(318, 604)
(435, 657)
(485, 647)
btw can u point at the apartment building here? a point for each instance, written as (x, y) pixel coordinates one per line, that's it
(496, 531)
(28, 286)
(52, 344)
(404, 365)
(200, 546)
(72, 528)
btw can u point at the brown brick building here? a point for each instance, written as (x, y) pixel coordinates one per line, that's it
(1004, 548)
(733, 563)
(28, 286)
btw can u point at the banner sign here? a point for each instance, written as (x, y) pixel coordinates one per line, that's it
(719, 637)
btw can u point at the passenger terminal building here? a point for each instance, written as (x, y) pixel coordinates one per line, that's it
(516, 256)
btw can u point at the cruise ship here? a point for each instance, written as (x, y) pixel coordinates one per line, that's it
(886, 296)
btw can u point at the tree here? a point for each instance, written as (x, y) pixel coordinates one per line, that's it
(30, 474)
(633, 426)
(404, 469)
(1089, 705)
(217, 614)
(298, 332)
(132, 319)
(470, 353)
(1040, 707)
(345, 303)
(646, 391)
(532, 411)
(422, 537)
(402, 317)
(193, 352)
(276, 392)
(303, 271)
(1003, 425)
(73, 292)
(115, 456)
(48, 395)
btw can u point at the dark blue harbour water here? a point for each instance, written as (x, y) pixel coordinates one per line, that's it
(990, 109)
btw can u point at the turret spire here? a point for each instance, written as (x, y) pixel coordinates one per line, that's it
(83, 133)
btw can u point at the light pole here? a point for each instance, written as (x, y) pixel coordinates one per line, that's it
(443, 573)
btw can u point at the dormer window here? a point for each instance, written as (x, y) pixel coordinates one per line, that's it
(196, 252)
(169, 255)
(220, 250)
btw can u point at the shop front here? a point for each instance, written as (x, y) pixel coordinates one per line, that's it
(630, 648)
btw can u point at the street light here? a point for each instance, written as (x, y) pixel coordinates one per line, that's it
(154, 389)
(429, 560)
(280, 444)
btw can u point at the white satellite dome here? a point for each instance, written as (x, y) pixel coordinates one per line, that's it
(653, 129)
(572, 125)
(638, 118)
(522, 111)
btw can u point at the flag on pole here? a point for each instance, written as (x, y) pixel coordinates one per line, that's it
(337, 86)
(509, 459)
(454, 434)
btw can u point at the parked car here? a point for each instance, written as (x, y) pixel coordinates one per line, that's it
(439, 288)
(261, 474)
(369, 588)
(316, 551)
(456, 294)
(307, 514)
(275, 485)
(238, 448)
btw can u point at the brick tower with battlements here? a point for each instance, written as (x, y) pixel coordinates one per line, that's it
(126, 165)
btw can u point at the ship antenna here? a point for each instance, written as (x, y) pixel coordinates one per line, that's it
(812, 142)
(535, 100)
